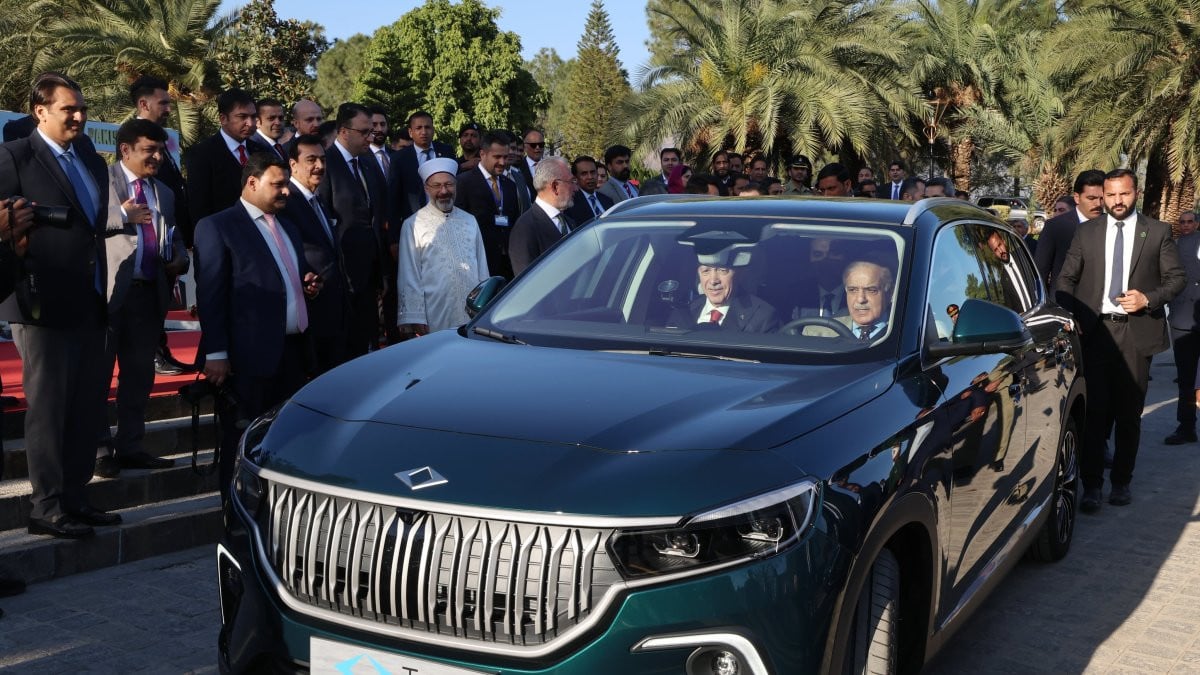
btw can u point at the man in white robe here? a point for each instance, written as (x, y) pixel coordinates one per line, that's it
(441, 257)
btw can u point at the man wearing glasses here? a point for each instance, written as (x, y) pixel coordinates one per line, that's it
(545, 222)
(356, 191)
(534, 147)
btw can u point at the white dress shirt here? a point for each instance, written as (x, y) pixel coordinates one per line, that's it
(152, 204)
(1107, 306)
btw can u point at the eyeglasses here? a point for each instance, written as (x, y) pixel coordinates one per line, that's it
(535, 145)
(364, 132)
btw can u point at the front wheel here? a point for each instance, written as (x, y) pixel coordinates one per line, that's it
(874, 647)
(1054, 539)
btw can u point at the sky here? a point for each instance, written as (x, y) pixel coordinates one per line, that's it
(536, 25)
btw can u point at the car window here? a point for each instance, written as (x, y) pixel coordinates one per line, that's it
(1009, 274)
(957, 275)
(795, 287)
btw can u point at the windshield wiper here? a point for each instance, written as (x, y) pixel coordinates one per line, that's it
(497, 335)
(685, 355)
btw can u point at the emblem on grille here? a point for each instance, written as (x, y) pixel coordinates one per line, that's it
(419, 479)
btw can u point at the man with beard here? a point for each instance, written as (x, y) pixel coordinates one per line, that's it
(1120, 272)
(545, 222)
(380, 126)
(589, 203)
(724, 304)
(487, 194)
(618, 188)
(799, 173)
(468, 145)
(441, 257)
(721, 171)
(1058, 232)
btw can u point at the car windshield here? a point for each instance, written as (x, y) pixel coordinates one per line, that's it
(734, 288)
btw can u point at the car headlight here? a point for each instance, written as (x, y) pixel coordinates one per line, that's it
(248, 487)
(753, 528)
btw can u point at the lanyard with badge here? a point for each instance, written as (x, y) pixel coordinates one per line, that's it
(498, 198)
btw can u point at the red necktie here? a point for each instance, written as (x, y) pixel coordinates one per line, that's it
(714, 316)
(242, 155)
(148, 268)
(279, 149)
(293, 279)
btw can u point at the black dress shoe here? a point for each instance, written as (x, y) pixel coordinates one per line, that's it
(1091, 500)
(93, 516)
(10, 587)
(1120, 495)
(107, 467)
(162, 367)
(1180, 436)
(9, 401)
(62, 526)
(143, 460)
(168, 359)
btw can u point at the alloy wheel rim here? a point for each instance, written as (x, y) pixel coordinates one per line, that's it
(1065, 486)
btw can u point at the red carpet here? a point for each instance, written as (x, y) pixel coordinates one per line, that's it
(183, 345)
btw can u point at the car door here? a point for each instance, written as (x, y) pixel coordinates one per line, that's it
(981, 416)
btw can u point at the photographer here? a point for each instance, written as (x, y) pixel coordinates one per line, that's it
(58, 306)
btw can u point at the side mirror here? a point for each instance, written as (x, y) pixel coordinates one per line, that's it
(481, 295)
(983, 327)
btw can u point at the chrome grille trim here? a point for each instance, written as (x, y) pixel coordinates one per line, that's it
(482, 584)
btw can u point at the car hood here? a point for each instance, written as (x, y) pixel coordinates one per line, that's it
(607, 401)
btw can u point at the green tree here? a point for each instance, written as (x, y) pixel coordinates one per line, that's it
(777, 77)
(338, 69)
(106, 44)
(552, 73)
(269, 56)
(451, 60)
(595, 90)
(1133, 94)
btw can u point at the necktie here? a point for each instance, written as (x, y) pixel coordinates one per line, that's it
(715, 316)
(242, 155)
(558, 224)
(293, 275)
(384, 161)
(149, 266)
(1116, 284)
(895, 191)
(428, 154)
(280, 152)
(86, 199)
(316, 205)
(628, 190)
(827, 304)
(864, 334)
(359, 177)
(595, 206)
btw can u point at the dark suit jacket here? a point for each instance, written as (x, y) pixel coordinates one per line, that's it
(1154, 270)
(361, 217)
(19, 128)
(1185, 307)
(747, 313)
(527, 173)
(327, 311)
(122, 239)
(474, 195)
(405, 187)
(653, 186)
(56, 281)
(1053, 243)
(580, 213)
(240, 292)
(169, 175)
(214, 176)
(532, 234)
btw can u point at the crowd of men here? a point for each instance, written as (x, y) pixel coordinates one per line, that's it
(314, 241)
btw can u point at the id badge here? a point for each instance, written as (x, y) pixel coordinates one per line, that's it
(501, 221)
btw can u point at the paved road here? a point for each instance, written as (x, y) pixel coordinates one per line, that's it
(1125, 600)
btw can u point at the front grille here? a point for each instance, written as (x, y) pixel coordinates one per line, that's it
(470, 578)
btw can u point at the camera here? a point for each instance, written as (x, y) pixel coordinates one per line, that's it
(225, 402)
(54, 216)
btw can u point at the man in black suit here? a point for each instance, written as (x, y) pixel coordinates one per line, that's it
(723, 305)
(251, 283)
(214, 165)
(58, 307)
(1184, 319)
(897, 174)
(1058, 232)
(356, 191)
(589, 203)
(406, 188)
(546, 221)
(486, 194)
(533, 147)
(668, 158)
(307, 117)
(327, 311)
(269, 127)
(1119, 274)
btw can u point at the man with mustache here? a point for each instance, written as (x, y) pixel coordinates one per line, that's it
(723, 304)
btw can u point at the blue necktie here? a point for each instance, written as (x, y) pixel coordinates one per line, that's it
(82, 191)
(1116, 285)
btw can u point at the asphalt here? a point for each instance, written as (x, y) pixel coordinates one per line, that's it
(1126, 599)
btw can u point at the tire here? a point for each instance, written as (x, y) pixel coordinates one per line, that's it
(1054, 539)
(875, 637)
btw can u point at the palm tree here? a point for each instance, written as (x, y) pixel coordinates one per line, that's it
(106, 44)
(1131, 70)
(773, 76)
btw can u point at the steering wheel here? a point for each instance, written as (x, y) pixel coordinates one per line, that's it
(796, 327)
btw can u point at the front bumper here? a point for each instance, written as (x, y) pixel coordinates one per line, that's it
(773, 613)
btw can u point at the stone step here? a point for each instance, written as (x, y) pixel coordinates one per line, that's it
(132, 488)
(148, 530)
(164, 436)
(158, 407)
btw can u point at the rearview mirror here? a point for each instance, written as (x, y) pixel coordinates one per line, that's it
(983, 327)
(481, 295)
